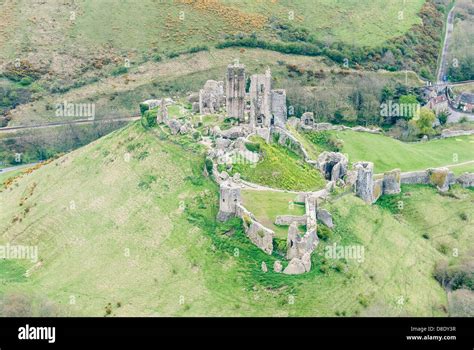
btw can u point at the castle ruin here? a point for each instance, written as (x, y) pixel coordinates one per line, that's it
(235, 83)
(211, 97)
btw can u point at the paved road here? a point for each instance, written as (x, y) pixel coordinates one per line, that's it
(13, 168)
(443, 64)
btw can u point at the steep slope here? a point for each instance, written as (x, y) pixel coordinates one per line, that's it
(125, 226)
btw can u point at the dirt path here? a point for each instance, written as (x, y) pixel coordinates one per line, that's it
(459, 164)
(57, 124)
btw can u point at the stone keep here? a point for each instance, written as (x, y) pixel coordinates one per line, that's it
(364, 185)
(260, 99)
(211, 97)
(279, 110)
(235, 91)
(228, 201)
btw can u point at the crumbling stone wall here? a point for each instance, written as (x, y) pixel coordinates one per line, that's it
(289, 219)
(300, 247)
(211, 97)
(441, 178)
(391, 182)
(455, 133)
(415, 177)
(466, 180)
(258, 234)
(377, 190)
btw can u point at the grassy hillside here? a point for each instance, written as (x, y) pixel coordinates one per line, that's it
(388, 153)
(460, 56)
(138, 237)
(280, 168)
(86, 42)
(180, 25)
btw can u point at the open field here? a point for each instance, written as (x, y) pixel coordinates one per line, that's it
(387, 153)
(151, 246)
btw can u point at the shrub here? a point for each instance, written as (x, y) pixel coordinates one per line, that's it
(143, 108)
(156, 58)
(325, 141)
(209, 165)
(324, 232)
(149, 118)
(26, 81)
(280, 246)
(146, 181)
(363, 300)
(455, 276)
(443, 118)
(119, 71)
(252, 147)
(172, 54)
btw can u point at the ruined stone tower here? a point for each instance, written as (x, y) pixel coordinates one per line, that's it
(364, 186)
(260, 100)
(235, 91)
(279, 110)
(228, 201)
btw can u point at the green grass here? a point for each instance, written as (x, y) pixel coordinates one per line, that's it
(6, 176)
(280, 168)
(387, 153)
(267, 205)
(146, 247)
(461, 169)
(12, 271)
(310, 148)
